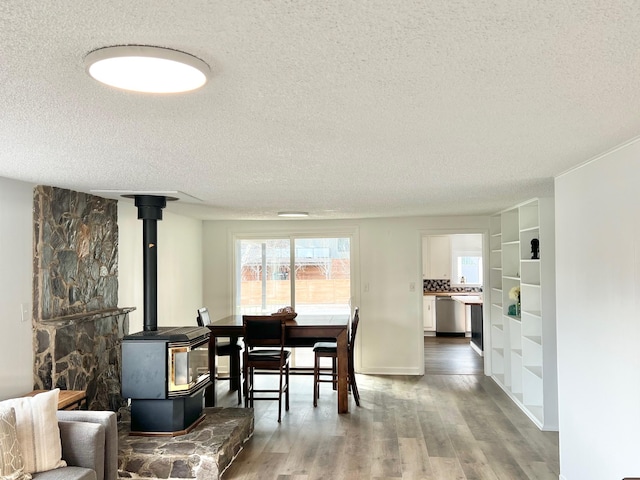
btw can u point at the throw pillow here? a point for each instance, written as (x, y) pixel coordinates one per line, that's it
(11, 466)
(38, 431)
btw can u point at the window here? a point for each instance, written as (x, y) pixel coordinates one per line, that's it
(468, 268)
(321, 279)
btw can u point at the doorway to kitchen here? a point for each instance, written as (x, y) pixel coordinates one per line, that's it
(453, 270)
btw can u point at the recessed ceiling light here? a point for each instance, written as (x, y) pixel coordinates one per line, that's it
(147, 69)
(293, 214)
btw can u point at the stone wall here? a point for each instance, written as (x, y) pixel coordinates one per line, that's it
(78, 327)
(76, 253)
(83, 352)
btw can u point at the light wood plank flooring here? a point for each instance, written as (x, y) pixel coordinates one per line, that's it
(451, 356)
(440, 426)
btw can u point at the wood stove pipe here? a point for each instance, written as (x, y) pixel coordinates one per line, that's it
(150, 211)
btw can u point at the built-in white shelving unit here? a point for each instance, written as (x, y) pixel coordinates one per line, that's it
(523, 343)
(497, 326)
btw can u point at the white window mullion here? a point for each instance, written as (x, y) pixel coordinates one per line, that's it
(292, 271)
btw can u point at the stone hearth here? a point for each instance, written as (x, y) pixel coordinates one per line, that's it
(201, 454)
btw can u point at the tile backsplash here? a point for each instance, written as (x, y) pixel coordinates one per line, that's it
(444, 285)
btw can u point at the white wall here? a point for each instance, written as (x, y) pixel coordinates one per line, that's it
(598, 317)
(16, 266)
(387, 258)
(179, 267)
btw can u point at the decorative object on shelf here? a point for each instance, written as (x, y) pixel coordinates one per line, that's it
(514, 294)
(535, 248)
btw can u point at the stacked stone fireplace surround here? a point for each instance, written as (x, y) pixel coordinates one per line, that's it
(78, 332)
(78, 327)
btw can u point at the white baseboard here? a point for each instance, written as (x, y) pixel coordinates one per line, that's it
(476, 349)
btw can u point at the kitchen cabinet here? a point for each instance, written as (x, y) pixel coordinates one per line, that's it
(463, 309)
(461, 314)
(439, 257)
(523, 343)
(429, 313)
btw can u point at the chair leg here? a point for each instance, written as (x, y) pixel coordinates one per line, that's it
(316, 380)
(334, 372)
(248, 394)
(239, 390)
(252, 387)
(356, 394)
(286, 393)
(353, 386)
(235, 374)
(280, 398)
(246, 387)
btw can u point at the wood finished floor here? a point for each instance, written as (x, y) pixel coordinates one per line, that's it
(451, 423)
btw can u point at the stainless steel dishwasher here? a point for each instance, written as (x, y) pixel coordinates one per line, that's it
(447, 322)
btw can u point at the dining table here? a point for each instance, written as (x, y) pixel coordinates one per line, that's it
(303, 331)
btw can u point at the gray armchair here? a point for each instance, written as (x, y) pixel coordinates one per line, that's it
(89, 446)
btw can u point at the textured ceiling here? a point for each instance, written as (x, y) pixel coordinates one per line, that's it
(345, 109)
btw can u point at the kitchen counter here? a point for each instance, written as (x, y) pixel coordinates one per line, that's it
(468, 299)
(451, 294)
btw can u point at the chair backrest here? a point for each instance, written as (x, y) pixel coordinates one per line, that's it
(354, 327)
(263, 330)
(352, 338)
(203, 317)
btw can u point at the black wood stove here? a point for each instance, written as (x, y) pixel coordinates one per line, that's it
(164, 370)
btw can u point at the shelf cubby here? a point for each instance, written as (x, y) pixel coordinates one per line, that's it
(497, 336)
(530, 272)
(516, 372)
(496, 278)
(528, 216)
(510, 227)
(530, 297)
(525, 243)
(497, 363)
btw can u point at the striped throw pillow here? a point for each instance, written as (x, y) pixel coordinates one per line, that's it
(38, 431)
(11, 466)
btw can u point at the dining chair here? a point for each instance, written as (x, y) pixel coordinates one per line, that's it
(330, 350)
(260, 333)
(224, 349)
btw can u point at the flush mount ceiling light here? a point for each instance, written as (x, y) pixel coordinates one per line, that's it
(147, 69)
(293, 214)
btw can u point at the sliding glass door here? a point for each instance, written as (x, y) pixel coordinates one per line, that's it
(320, 282)
(313, 275)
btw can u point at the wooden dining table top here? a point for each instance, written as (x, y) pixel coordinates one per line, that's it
(305, 320)
(311, 326)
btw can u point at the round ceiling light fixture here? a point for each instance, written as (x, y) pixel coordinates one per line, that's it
(293, 214)
(148, 69)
